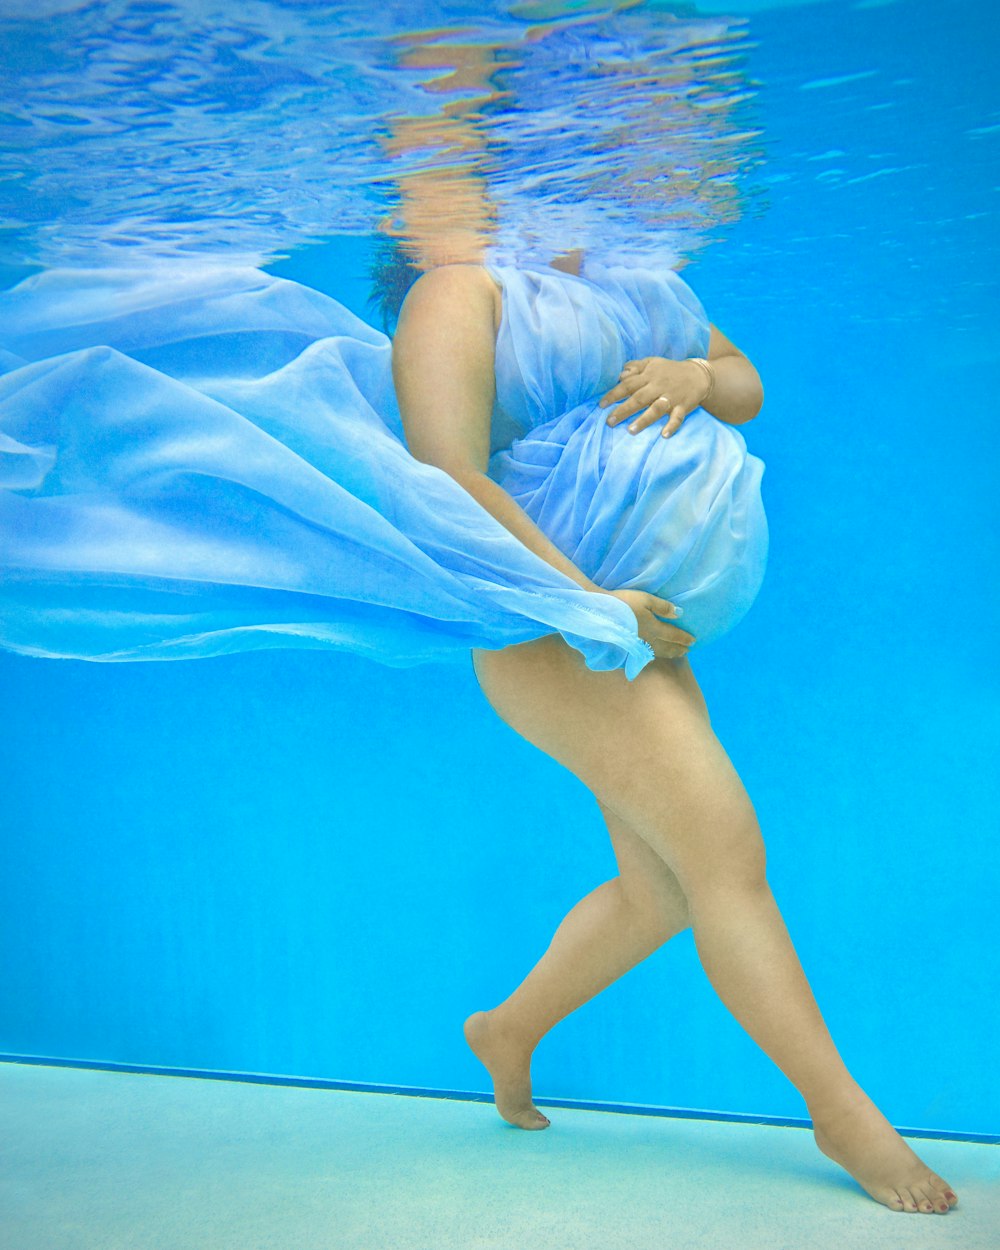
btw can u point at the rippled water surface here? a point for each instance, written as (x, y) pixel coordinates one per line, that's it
(245, 129)
(242, 131)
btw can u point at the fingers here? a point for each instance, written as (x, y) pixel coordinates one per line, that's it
(678, 635)
(627, 380)
(623, 390)
(640, 394)
(649, 414)
(677, 416)
(671, 648)
(648, 403)
(669, 640)
(660, 606)
(655, 412)
(650, 406)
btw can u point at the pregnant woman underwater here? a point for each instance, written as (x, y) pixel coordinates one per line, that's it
(203, 461)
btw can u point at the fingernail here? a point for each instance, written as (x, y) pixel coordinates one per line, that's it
(633, 429)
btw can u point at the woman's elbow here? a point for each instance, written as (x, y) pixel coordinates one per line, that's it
(746, 391)
(755, 399)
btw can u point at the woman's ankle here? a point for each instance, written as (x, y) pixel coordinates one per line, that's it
(831, 1104)
(504, 1024)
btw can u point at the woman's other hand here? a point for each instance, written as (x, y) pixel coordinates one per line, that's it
(668, 641)
(654, 387)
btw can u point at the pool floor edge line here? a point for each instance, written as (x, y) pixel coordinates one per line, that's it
(416, 1091)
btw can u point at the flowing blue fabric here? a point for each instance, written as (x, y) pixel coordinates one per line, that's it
(202, 460)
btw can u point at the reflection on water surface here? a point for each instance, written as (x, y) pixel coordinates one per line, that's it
(241, 131)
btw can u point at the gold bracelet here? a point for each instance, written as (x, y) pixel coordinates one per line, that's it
(709, 368)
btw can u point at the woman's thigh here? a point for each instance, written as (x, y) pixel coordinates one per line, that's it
(645, 749)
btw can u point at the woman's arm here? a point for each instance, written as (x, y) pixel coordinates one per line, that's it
(443, 370)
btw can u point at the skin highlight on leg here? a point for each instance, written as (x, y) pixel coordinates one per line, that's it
(647, 751)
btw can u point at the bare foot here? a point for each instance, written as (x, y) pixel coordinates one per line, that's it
(509, 1067)
(864, 1143)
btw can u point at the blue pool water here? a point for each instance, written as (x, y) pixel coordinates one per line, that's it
(306, 863)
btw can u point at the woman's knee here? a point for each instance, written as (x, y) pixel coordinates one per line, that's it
(659, 911)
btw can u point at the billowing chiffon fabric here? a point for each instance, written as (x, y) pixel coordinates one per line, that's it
(202, 460)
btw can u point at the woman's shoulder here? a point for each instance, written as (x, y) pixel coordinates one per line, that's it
(454, 275)
(458, 278)
(458, 282)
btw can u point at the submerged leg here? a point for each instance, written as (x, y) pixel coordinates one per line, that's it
(606, 933)
(676, 788)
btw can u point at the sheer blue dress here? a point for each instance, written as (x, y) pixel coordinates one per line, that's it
(198, 460)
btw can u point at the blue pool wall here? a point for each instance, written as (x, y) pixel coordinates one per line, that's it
(309, 864)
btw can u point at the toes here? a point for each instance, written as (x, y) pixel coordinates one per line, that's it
(894, 1202)
(530, 1119)
(944, 1189)
(925, 1203)
(938, 1201)
(909, 1201)
(934, 1188)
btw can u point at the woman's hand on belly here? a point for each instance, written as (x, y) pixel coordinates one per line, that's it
(655, 387)
(730, 390)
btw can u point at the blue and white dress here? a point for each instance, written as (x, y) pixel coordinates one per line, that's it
(201, 460)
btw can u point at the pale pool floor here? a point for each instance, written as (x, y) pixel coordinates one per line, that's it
(96, 1160)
